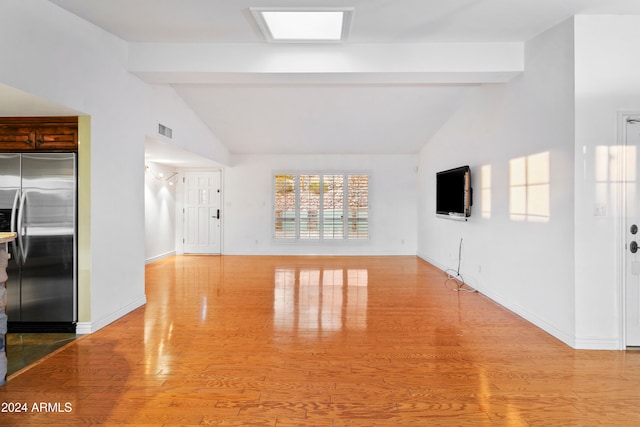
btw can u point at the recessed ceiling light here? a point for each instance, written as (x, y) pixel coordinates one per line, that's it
(303, 25)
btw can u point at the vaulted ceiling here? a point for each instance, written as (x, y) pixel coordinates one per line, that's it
(405, 68)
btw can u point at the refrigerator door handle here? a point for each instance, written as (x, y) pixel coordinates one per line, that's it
(13, 227)
(23, 249)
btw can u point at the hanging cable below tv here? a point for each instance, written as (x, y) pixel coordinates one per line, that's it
(455, 275)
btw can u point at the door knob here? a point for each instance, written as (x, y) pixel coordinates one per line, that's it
(633, 247)
(634, 229)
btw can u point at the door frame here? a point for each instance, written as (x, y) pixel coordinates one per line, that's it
(621, 238)
(180, 214)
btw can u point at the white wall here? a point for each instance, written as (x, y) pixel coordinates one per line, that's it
(524, 265)
(248, 204)
(607, 81)
(68, 61)
(159, 212)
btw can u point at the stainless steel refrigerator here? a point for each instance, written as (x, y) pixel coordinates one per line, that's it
(38, 201)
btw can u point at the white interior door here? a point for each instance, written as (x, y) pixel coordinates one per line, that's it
(632, 229)
(202, 212)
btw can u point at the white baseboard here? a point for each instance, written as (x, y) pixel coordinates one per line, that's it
(529, 317)
(520, 311)
(83, 328)
(159, 257)
(596, 344)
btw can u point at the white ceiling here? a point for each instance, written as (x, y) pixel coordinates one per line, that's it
(320, 115)
(374, 21)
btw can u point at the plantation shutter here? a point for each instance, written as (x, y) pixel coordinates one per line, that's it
(358, 216)
(285, 207)
(321, 206)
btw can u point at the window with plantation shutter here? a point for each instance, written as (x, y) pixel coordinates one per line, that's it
(333, 207)
(285, 203)
(309, 206)
(358, 217)
(321, 206)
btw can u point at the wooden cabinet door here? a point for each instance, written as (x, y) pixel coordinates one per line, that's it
(56, 137)
(16, 136)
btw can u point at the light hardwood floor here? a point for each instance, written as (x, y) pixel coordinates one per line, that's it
(321, 341)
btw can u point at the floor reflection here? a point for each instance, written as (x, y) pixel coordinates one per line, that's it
(315, 299)
(24, 349)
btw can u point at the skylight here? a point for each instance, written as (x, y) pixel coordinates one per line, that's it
(303, 24)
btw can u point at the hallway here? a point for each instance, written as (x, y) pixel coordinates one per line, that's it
(321, 341)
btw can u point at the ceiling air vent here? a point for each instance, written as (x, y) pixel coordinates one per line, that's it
(165, 131)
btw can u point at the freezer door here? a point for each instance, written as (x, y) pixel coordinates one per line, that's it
(9, 198)
(46, 235)
(9, 184)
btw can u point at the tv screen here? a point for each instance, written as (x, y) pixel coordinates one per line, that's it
(453, 192)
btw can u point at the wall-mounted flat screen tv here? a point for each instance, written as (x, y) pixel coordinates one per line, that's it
(453, 193)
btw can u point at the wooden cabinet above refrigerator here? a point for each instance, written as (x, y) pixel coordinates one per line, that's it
(21, 134)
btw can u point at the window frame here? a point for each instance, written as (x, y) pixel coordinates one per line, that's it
(346, 237)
